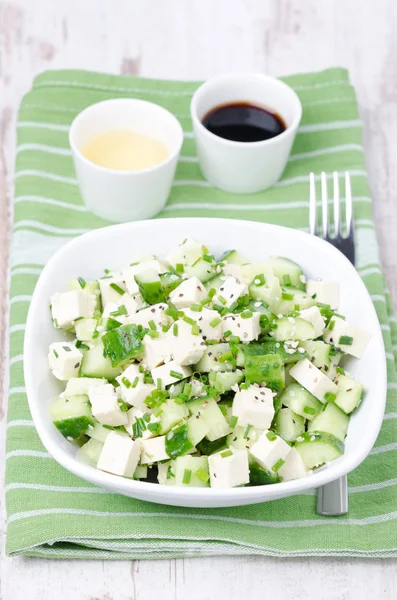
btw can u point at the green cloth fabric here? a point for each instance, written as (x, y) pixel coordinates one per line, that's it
(51, 512)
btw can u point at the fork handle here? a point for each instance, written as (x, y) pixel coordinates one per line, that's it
(332, 498)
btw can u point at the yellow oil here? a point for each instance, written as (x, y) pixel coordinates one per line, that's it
(125, 150)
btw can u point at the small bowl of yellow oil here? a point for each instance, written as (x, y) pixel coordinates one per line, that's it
(125, 153)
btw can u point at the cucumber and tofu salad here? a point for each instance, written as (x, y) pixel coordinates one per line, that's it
(196, 370)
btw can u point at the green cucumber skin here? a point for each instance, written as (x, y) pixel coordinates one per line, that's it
(297, 398)
(271, 346)
(152, 292)
(208, 448)
(318, 448)
(261, 476)
(268, 369)
(122, 343)
(170, 281)
(74, 426)
(95, 364)
(179, 443)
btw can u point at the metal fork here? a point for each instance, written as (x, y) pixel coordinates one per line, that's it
(332, 498)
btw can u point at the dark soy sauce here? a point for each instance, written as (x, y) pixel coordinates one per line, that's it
(243, 122)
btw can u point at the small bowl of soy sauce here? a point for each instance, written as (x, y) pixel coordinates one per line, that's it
(244, 126)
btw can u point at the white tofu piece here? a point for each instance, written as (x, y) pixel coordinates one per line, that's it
(78, 386)
(312, 379)
(132, 305)
(228, 468)
(254, 406)
(204, 318)
(235, 271)
(157, 351)
(230, 290)
(186, 348)
(112, 307)
(105, 406)
(132, 392)
(153, 450)
(270, 451)
(69, 306)
(136, 413)
(120, 455)
(314, 316)
(186, 253)
(327, 292)
(129, 274)
(154, 313)
(293, 468)
(164, 373)
(64, 360)
(246, 329)
(108, 293)
(338, 328)
(190, 291)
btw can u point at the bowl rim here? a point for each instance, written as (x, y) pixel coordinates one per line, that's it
(225, 496)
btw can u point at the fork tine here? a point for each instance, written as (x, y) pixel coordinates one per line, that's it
(349, 203)
(312, 206)
(336, 205)
(324, 201)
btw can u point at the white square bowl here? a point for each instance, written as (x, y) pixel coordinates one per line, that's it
(118, 245)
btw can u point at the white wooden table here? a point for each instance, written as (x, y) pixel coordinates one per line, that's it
(195, 39)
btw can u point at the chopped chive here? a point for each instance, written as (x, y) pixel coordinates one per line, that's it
(329, 397)
(208, 258)
(246, 314)
(196, 307)
(296, 307)
(247, 430)
(211, 342)
(170, 473)
(121, 310)
(136, 430)
(345, 340)
(152, 325)
(233, 422)
(117, 289)
(147, 378)
(126, 382)
(263, 321)
(259, 280)
(158, 384)
(175, 329)
(176, 374)
(286, 296)
(153, 334)
(179, 268)
(233, 306)
(195, 329)
(154, 427)
(211, 293)
(286, 279)
(234, 339)
(172, 312)
(82, 282)
(278, 465)
(331, 325)
(333, 351)
(340, 371)
(187, 476)
(134, 264)
(123, 405)
(196, 261)
(66, 348)
(187, 389)
(56, 354)
(309, 410)
(181, 399)
(215, 322)
(227, 333)
(146, 417)
(244, 386)
(226, 453)
(80, 344)
(165, 328)
(55, 322)
(95, 334)
(314, 296)
(112, 324)
(135, 382)
(189, 320)
(202, 475)
(271, 436)
(222, 300)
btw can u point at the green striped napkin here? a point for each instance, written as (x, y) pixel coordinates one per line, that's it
(53, 513)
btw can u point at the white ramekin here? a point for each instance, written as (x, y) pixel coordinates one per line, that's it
(242, 167)
(125, 195)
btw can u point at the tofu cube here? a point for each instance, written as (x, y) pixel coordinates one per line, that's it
(171, 372)
(153, 450)
(120, 455)
(134, 392)
(270, 451)
(156, 350)
(327, 292)
(230, 291)
(313, 380)
(154, 313)
(254, 406)
(314, 316)
(235, 271)
(246, 329)
(204, 318)
(190, 291)
(105, 406)
(111, 288)
(129, 274)
(228, 468)
(136, 413)
(69, 306)
(186, 348)
(186, 253)
(293, 468)
(64, 360)
(356, 337)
